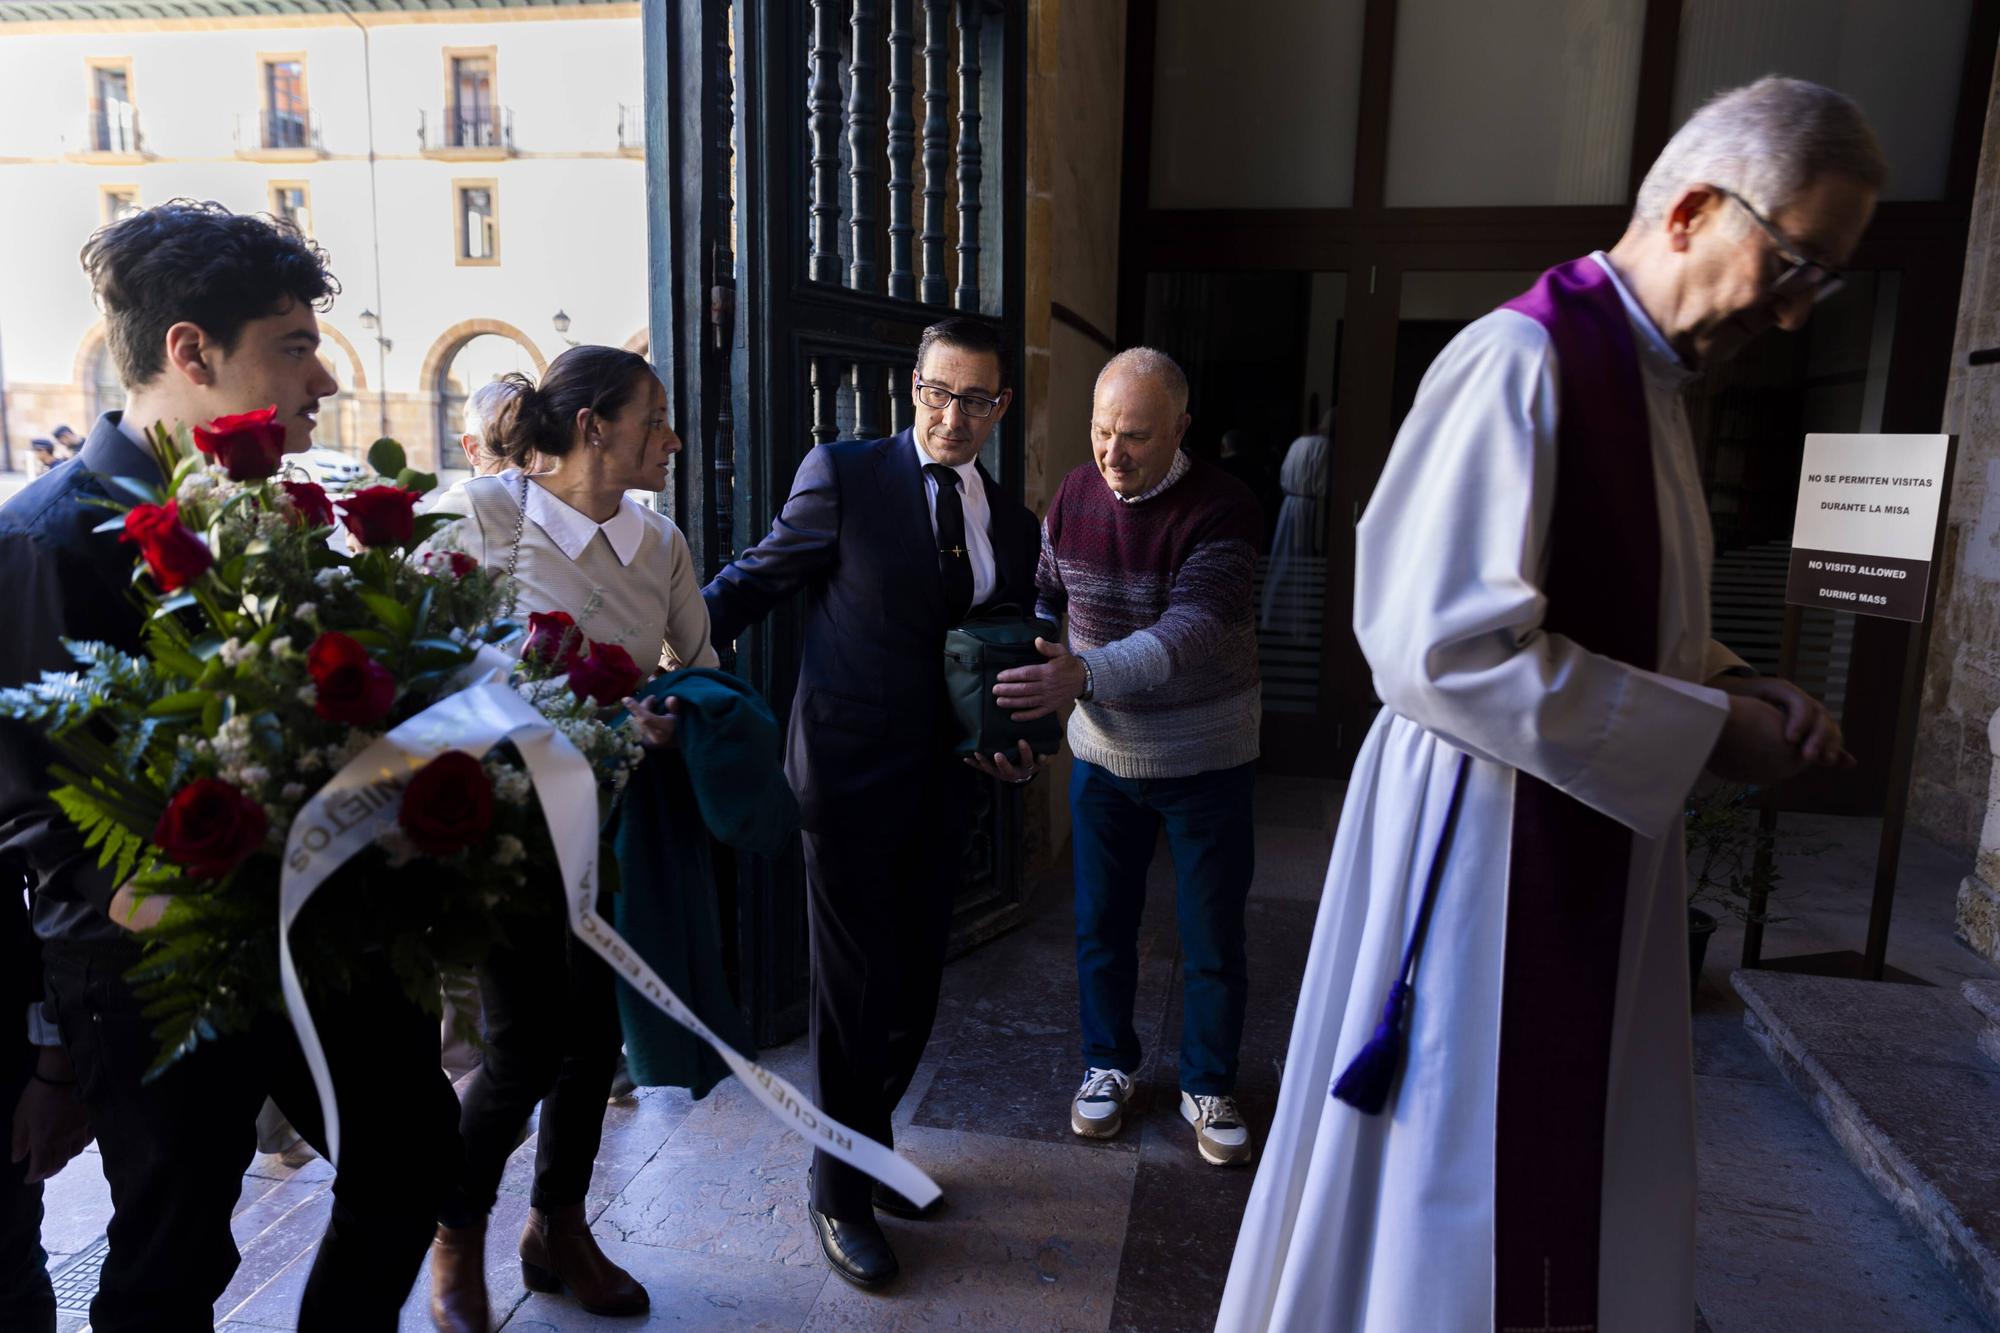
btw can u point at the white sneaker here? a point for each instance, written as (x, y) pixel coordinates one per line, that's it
(1098, 1109)
(1219, 1131)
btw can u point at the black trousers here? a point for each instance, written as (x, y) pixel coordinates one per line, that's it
(552, 1036)
(27, 1302)
(879, 903)
(174, 1150)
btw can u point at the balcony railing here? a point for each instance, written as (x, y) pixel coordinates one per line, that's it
(490, 128)
(113, 129)
(276, 131)
(631, 129)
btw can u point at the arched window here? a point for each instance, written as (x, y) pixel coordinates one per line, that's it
(480, 359)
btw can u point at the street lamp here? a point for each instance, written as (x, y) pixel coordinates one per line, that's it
(561, 321)
(373, 325)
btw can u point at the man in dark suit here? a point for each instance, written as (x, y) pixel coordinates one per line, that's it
(893, 541)
(209, 314)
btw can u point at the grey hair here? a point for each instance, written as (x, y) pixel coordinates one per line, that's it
(484, 405)
(1154, 364)
(1767, 141)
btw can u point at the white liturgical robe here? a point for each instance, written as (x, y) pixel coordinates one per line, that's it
(1385, 1223)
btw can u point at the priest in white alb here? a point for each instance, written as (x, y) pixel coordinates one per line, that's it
(1487, 1116)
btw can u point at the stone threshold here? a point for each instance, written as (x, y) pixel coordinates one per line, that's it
(1897, 1073)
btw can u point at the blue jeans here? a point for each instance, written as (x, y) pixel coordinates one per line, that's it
(1115, 822)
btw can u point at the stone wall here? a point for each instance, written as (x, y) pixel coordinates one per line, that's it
(1076, 113)
(35, 410)
(1948, 797)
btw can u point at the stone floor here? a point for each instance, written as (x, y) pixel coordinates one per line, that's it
(704, 1201)
(1791, 1235)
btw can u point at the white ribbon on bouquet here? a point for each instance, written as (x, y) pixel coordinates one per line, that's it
(345, 815)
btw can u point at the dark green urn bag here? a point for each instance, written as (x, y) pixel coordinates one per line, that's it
(974, 656)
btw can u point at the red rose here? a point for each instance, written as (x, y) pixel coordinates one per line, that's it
(175, 555)
(208, 827)
(552, 638)
(352, 687)
(455, 563)
(382, 515)
(250, 447)
(310, 506)
(448, 804)
(605, 673)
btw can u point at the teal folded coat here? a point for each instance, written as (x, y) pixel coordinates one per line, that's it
(726, 779)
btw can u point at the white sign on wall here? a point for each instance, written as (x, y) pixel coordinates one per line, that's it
(1869, 507)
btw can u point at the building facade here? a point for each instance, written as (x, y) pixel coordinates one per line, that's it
(476, 174)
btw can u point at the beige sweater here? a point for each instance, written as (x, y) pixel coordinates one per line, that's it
(650, 604)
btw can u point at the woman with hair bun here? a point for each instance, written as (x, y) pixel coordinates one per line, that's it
(574, 542)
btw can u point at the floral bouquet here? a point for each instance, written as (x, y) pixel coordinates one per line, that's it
(270, 659)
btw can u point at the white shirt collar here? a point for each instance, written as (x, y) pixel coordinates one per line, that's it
(968, 473)
(1655, 352)
(572, 530)
(1175, 471)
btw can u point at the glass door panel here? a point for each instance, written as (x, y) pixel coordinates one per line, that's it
(1262, 355)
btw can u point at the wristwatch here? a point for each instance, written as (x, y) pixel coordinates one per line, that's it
(1089, 690)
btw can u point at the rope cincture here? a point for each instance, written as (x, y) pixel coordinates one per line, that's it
(1366, 1082)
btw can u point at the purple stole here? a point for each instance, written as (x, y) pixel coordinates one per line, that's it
(1570, 865)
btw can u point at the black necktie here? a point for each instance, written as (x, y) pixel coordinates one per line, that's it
(954, 561)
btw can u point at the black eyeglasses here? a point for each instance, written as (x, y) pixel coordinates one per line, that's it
(1801, 274)
(938, 398)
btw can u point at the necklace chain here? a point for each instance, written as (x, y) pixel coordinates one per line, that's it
(514, 557)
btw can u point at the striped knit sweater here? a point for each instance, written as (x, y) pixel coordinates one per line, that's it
(1159, 594)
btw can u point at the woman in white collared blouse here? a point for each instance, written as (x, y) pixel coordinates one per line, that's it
(572, 538)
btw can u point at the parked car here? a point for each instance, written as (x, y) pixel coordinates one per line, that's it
(330, 468)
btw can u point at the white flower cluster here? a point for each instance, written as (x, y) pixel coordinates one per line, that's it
(548, 696)
(199, 484)
(271, 524)
(510, 784)
(333, 578)
(332, 758)
(508, 850)
(612, 751)
(231, 743)
(578, 730)
(235, 652)
(234, 751)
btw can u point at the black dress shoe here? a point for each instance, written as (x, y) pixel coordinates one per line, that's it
(897, 1205)
(858, 1251)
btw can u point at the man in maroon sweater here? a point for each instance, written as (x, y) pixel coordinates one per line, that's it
(1152, 555)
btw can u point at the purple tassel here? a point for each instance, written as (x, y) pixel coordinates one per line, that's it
(1368, 1078)
(1365, 1086)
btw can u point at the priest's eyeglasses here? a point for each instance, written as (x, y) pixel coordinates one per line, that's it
(938, 399)
(1801, 274)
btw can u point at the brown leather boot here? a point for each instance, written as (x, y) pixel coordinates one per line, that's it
(458, 1279)
(557, 1251)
